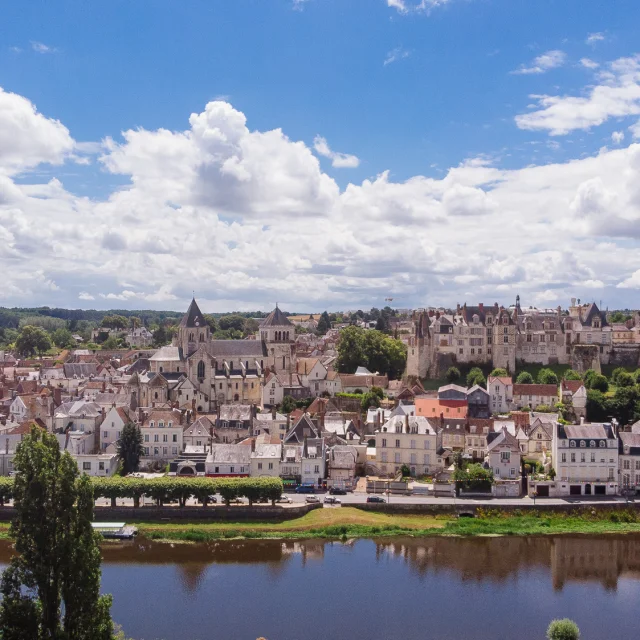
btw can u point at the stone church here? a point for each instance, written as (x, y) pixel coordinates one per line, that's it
(208, 373)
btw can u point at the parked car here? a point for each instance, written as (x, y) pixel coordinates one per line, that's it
(213, 499)
(332, 500)
(337, 491)
(312, 499)
(285, 499)
(305, 488)
(375, 499)
(237, 501)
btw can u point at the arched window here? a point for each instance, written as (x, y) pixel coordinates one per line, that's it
(191, 337)
(572, 443)
(201, 369)
(603, 443)
(156, 395)
(582, 443)
(284, 362)
(592, 443)
(161, 369)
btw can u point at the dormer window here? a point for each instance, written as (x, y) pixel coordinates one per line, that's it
(572, 443)
(582, 443)
(152, 424)
(161, 423)
(592, 443)
(603, 444)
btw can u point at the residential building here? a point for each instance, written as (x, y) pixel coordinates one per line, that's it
(504, 455)
(412, 441)
(162, 434)
(271, 422)
(539, 444)
(629, 460)
(500, 393)
(534, 395)
(479, 402)
(112, 425)
(265, 458)
(585, 458)
(475, 441)
(199, 433)
(574, 393)
(98, 464)
(342, 465)
(234, 422)
(228, 461)
(434, 408)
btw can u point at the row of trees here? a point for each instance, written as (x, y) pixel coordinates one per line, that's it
(371, 349)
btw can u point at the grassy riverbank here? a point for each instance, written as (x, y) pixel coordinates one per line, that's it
(354, 523)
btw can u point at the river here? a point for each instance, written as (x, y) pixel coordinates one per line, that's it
(402, 588)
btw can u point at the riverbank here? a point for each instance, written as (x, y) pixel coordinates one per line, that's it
(348, 522)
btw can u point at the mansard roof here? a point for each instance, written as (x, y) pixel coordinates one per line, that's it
(591, 313)
(276, 319)
(193, 318)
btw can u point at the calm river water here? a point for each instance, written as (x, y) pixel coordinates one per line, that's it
(440, 589)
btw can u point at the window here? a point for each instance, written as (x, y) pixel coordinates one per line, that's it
(259, 466)
(413, 444)
(397, 458)
(86, 466)
(582, 457)
(582, 443)
(201, 369)
(146, 451)
(156, 438)
(146, 437)
(603, 444)
(573, 457)
(397, 444)
(316, 468)
(175, 437)
(564, 457)
(101, 466)
(572, 443)
(427, 444)
(384, 442)
(271, 466)
(626, 464)
(165, 437)
(505, 456)
(105, 434)
(427, 459)
(593, 457)
(384, 456)
(232, 470)
(174, 450)
(169, 424)
(164, 451)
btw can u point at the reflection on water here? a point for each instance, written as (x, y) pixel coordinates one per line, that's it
(315, 589)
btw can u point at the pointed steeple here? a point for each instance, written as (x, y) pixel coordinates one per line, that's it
(193, 317)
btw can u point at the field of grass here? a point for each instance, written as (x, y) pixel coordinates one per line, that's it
(349, 522)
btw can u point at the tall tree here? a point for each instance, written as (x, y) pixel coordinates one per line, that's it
(130, 447)
(32, 340)
(57, 566)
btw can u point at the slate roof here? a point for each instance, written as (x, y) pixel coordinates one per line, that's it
(586, 431)
(341, 457)
(502, 438)
(80, 369)
(193, 318)
(201, 427)
(591, 313)
(168, 353)
(234, 412)
(276, 319)
(267, 450)
(631, 440)
(164, 415)
(230, 453)
(303, 427)
(242, 349)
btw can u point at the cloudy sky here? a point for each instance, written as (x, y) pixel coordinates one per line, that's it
(319, 153)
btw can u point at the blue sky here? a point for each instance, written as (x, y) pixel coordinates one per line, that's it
(445, 97)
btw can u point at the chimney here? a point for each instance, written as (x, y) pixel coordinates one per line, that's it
(104, 386)
(253, 445)
(441, 420)
(288, 421)
(406, 422)
(481, 306)
(581, 419)
(57, 396)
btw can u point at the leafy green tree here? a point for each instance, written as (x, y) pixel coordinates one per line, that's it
(232, 321)
(499, 372)
(546, 376)
(405, 471)
(57, 564)
(625, 379)
(115, 322)
(369, 399)
(111, 343)
(588, 376)
(619, 317)
(596, 406)
(475, 376)
(130, 447)
(324, 323)
(452, 375)
(62, 338)
(288, 404)
(615, 373)
(378, 391)
(572, 374)
(135, 322)
(524, 378)
(32, 340)
(563, 630)
(599, 383)
(625, 405)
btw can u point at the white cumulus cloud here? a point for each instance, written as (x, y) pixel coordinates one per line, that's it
(338, 160)
(543, 63)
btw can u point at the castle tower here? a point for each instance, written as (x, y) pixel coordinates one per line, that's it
(193, 330)
(418, 347)
(278, 334)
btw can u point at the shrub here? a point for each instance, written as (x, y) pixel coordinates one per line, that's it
(524, 378)
(599, 383)
(475, 376)
(588, 376)
(499, 372)
(572, 374)
(625, 379)
(452, 375)
(546, 376)
(563, 630)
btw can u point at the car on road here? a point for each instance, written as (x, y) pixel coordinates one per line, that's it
(375, 499)
(312, 499)
(337, 491)
(305, 488)
(213, 499)
(332, 500)
(284, 499)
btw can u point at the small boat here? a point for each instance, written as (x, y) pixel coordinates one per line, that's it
(115, 530)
